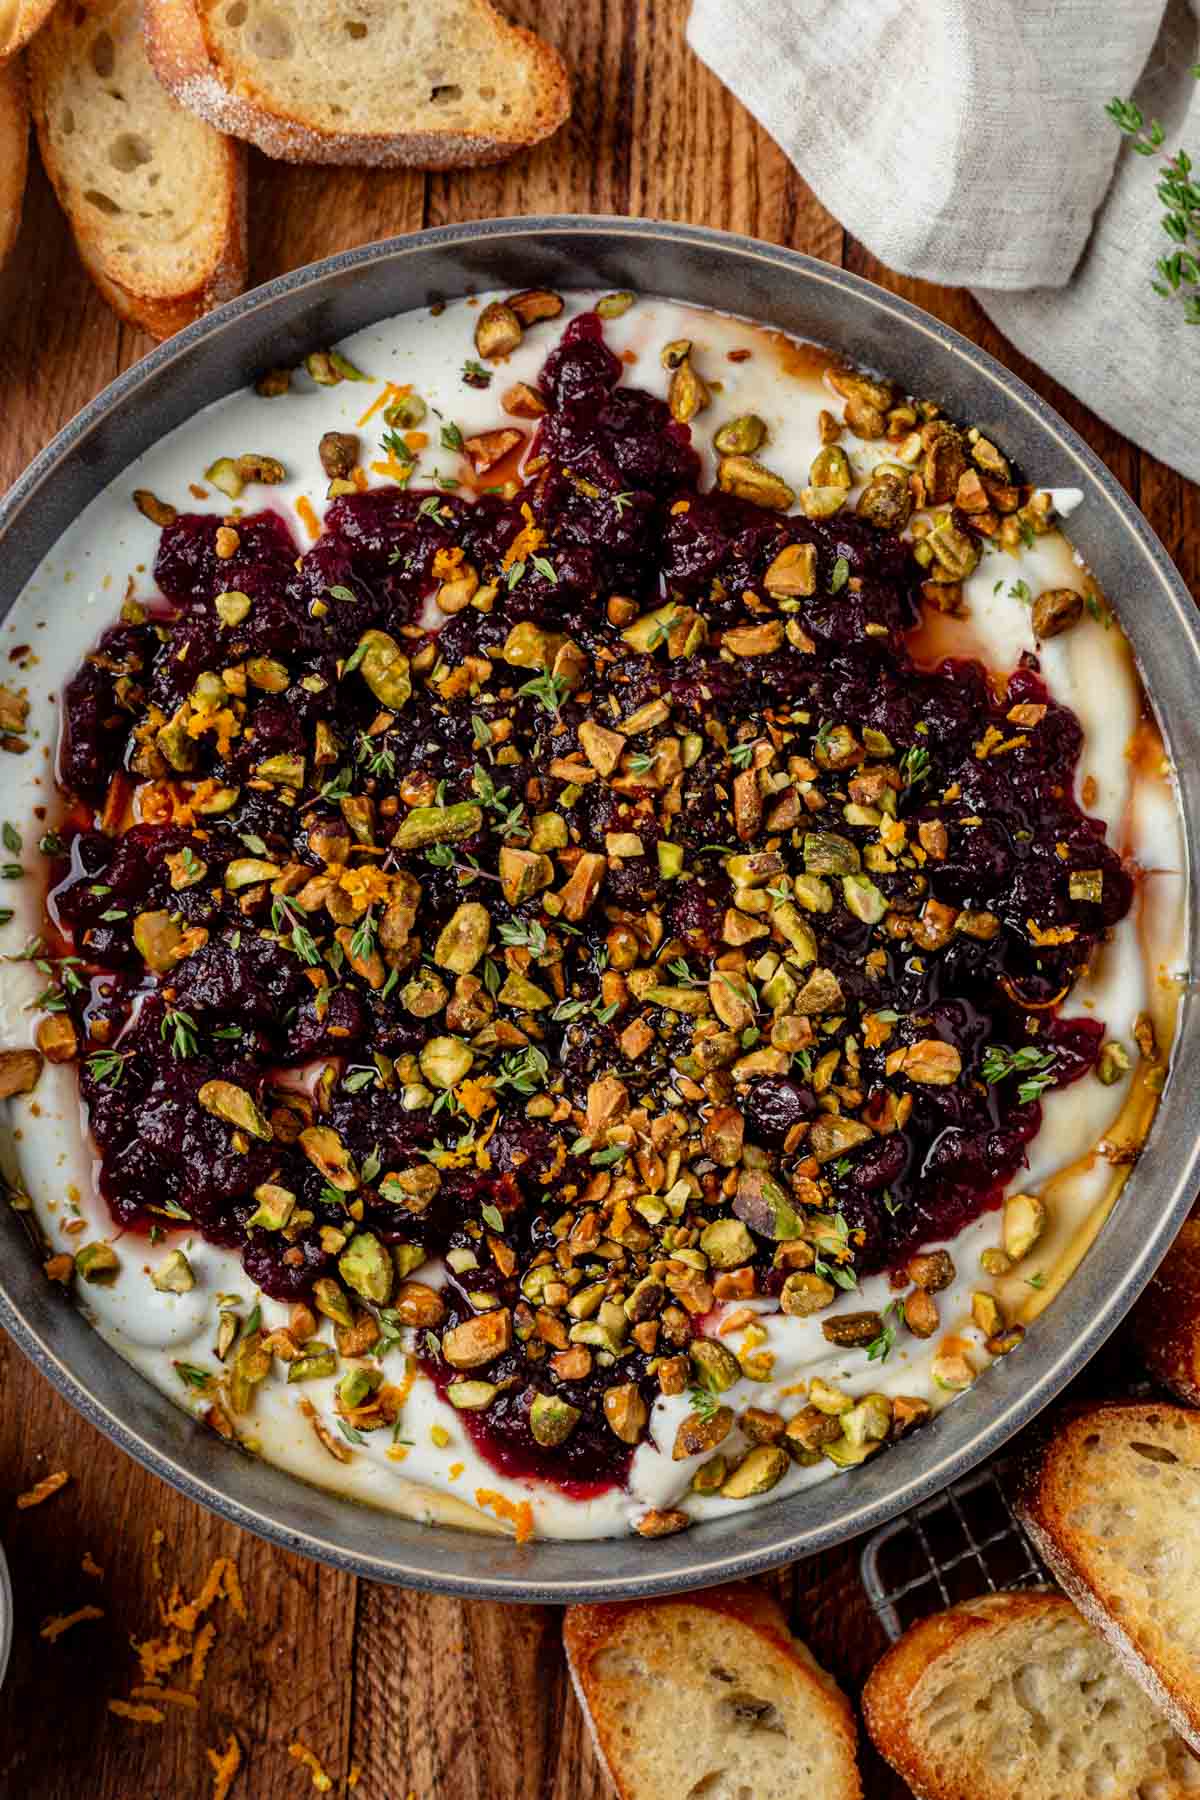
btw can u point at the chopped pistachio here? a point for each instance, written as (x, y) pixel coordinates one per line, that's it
(225, 1100)
(759, 1471)
(96, 1262)
(173, 1274)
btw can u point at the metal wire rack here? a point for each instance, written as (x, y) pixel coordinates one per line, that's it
(964, 1542)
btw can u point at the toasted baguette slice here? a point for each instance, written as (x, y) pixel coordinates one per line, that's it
(1015, 1697)
(156, 199)
(1166, 1322)
(1112, 1501)
(14, 151)
(709, 1695)
(432, 83)
(19, 19)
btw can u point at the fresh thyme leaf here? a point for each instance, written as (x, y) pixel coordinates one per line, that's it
(452, 437)
(529, 934)
(545, 569)
(704, 1402)
(740, 755)
(10, 837)
(358, 1079)
(839, 575)
(108, 1066)
(492, 1216)
(194, 1377)
(339, 592)
(548, 690)
(1177, 274)
(394, 444)
(362, 944)
(475, 375)
(178, 1028)
(1036, 1066)
(915, 765)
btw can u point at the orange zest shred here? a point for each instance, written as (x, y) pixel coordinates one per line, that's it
(528, 540)
(231, 1587)
(308, 517)
(354, 1777)
(308, 1758)
(225, 1765)
(519, 1516)
(140, 1713)
(53, 1629)
(90, 1566)
(172, 1696)
(387, 395)
(43, 1489)
(393, 470)
(200, 1650)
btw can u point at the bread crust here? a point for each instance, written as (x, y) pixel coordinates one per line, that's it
(893, 1683)
(1053, 1479)
(587, 1630)
(153, 308)
(28, 18)
(1166, 1320)
(14, 151)
(192, 67)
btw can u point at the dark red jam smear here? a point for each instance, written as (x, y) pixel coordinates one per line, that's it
(615, 495)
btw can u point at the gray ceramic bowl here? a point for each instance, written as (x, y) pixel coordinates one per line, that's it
(317, 305)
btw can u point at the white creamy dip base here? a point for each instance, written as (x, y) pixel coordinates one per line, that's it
(77, 592)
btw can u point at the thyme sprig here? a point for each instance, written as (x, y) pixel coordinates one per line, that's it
(1178, 272)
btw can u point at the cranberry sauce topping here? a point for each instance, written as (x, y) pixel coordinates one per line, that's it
(651, 934)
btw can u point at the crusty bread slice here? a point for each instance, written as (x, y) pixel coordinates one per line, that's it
(19, 19)
(1112, 1501)
(156, 198)
(708, 1697)
(1015, 1697)
(436, 84)
(1166, 1321)
(14, 151)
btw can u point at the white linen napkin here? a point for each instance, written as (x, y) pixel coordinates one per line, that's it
(966, 142)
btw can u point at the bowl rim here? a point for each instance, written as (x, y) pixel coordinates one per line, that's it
(920, 1470)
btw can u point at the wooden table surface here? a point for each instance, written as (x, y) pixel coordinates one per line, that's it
(428, 1697)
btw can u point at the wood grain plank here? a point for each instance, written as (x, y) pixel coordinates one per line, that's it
(283, 1673)
(455, 1697)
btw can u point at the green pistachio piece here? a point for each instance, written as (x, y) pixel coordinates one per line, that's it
(157, 937)
(746, 477)
(552, 1420)
(232, 606)
(741, 436)
(177, 747)
(548, 832)
(275, 1206)
(787, 921)
(612, 306)
(285, 770)
(313, 1362)
(700, 1432)
(384, 667)
(408, 1257)
(762, 1205)
(96, 1262)
(330, 1157)
(863, 898)
(265, 673)
(726, 1243)
(223, 474)
(757, 1473)
(524, 873)
(716, 1367)
(173, 1274)
(471, 1396)
(464, 938)
(365, 1266)
(825, 853)
(518, 990)
(427, 825)
(247, 871)
(690, 1001)
(670, 859)
(357, 1385)
(333, 1302)
(445, 1061)
(233, 1104)
(221, 800)
(710, 1475)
